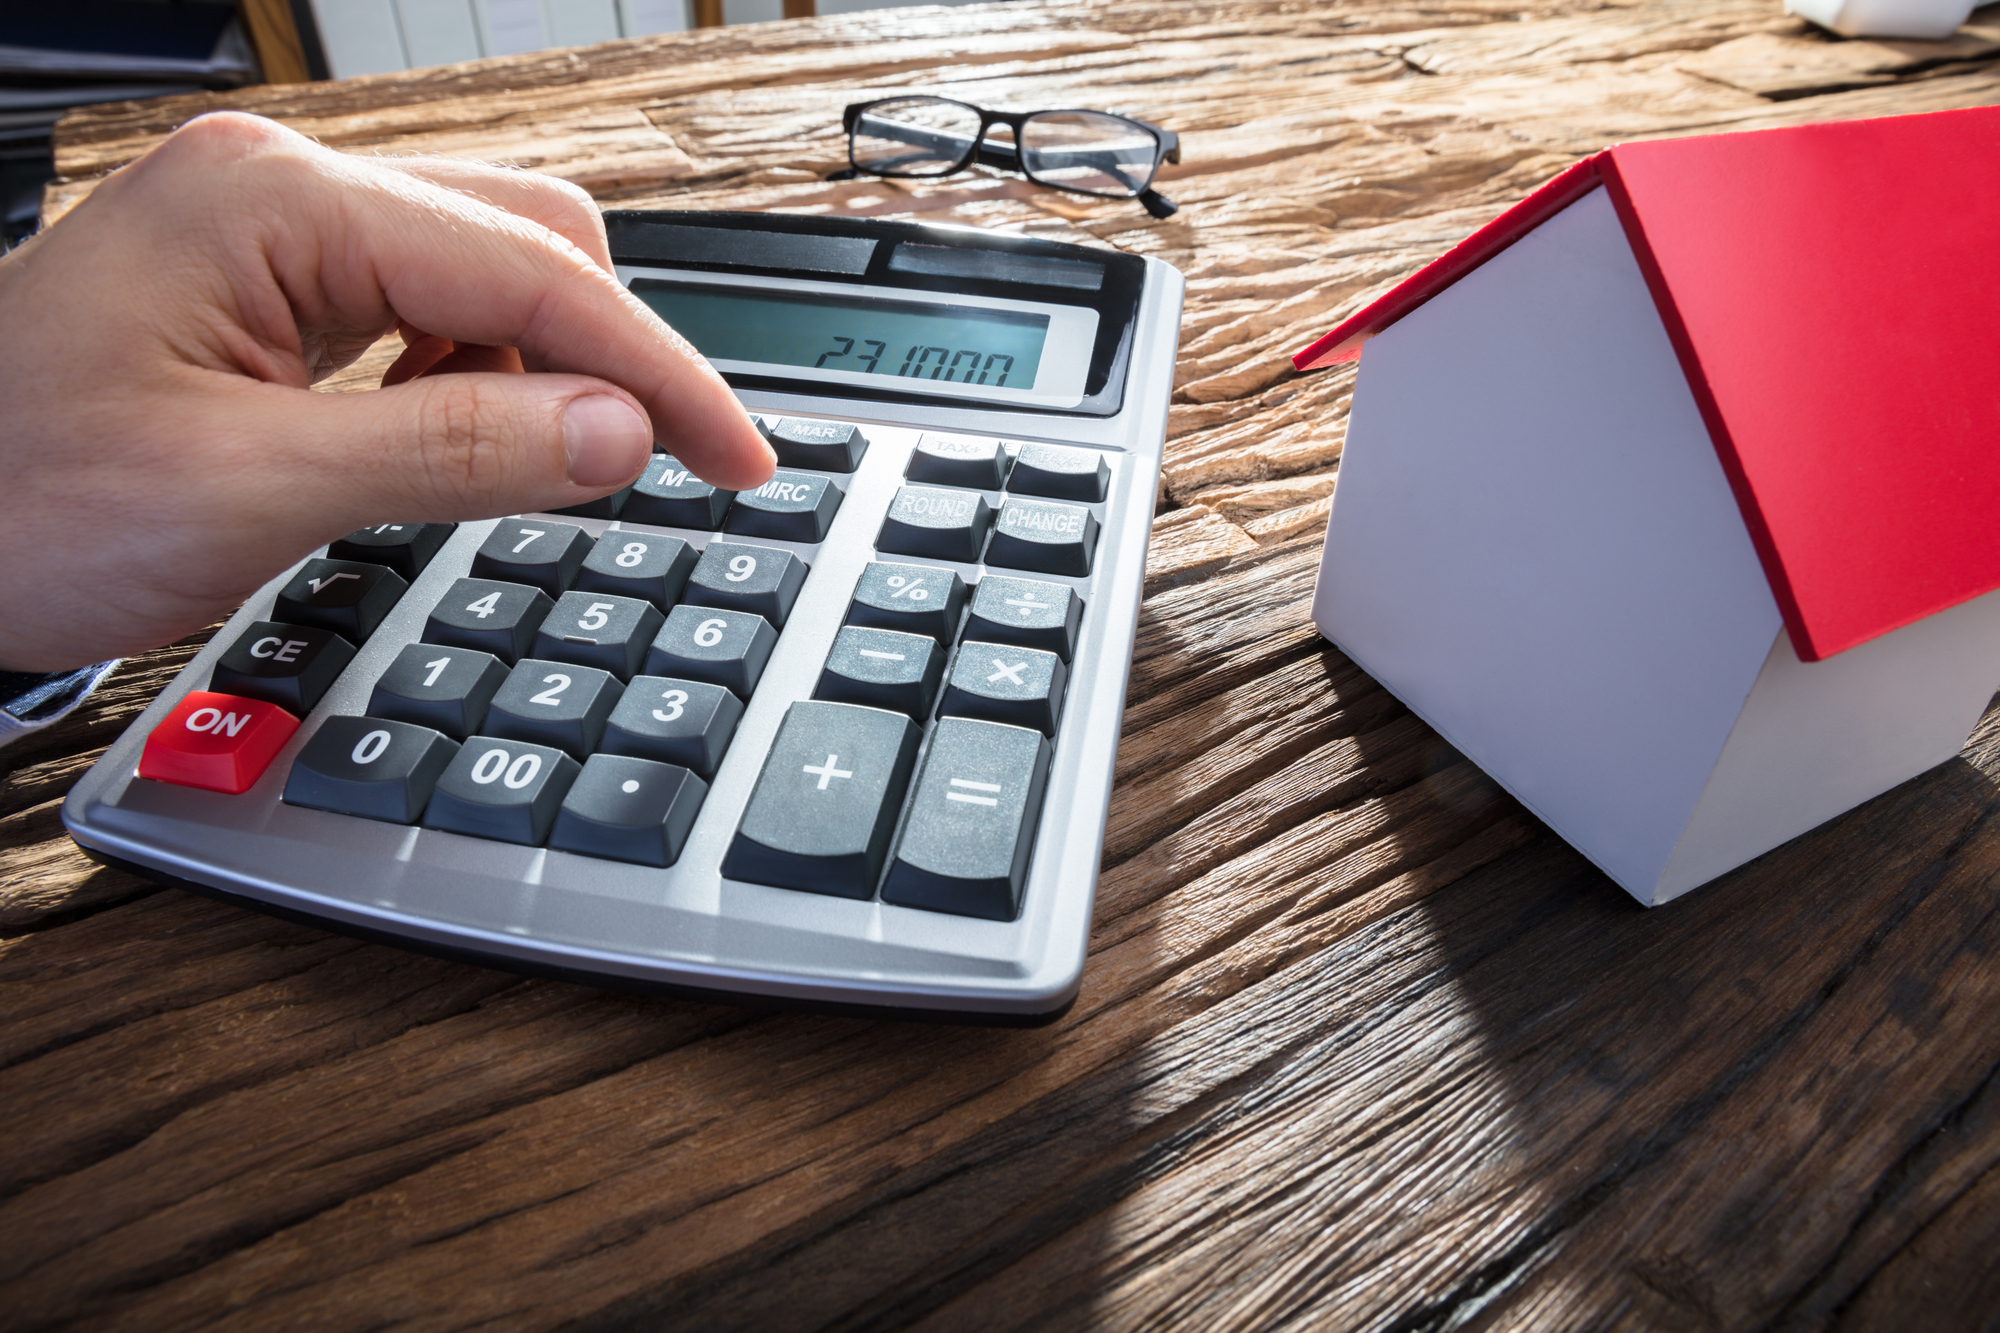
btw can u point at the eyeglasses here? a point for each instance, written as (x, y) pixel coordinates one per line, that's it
(1089, 152)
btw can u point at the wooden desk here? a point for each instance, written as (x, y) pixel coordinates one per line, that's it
(1361, 1044)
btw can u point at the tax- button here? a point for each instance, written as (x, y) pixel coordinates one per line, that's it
(966, 844)
(791, 507)
(829, 446)
(371, 767)
(942, 524)
(218, 742)
(1060, 472)
(1002, 683)
(825, 805)
(287, 665)
(1047, 538)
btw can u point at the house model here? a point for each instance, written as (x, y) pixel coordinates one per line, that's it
(1672, 496)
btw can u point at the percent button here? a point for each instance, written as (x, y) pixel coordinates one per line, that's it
(915, 599)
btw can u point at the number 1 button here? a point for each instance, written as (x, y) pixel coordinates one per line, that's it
(825, 805)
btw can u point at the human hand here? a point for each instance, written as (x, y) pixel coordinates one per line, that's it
(162, 454)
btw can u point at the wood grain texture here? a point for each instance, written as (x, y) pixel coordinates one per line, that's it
(1361, 1044)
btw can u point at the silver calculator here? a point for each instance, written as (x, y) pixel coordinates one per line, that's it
(845, 741)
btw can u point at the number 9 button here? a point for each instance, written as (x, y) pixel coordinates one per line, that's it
(736, 576)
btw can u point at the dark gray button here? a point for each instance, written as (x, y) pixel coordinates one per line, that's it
(1004, 683)
(1028, 612)
(444, 689)
(604, 506)
(916, 599)
(287, 665)
(676, 721)
(490, 616)
(1048, 538)
(966, 844)
(882, 669)
(726, 648)
(647, 565)
(346, 596)
(554, 704)
(628, 810)
(534, 551)
(790, 507)
(669, 495)
(759, 579)
(403, 547)
(501, 789)
(828, 446)
(1060, 472)
(599, 630)
(959, 460)
(825, 805)
(942, 524)
(370, 767)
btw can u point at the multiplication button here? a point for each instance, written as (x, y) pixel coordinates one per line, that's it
(1028, 612)
(1047, 538)
(670, 496)
(916, 599)
(824, 807)
(942, 524)
(1002, 683)
(971, 830)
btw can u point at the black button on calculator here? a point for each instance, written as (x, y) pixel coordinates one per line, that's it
(669, 496)
(628, 810)
(1028, 612)
(932, 521)
(790, 507)
(553, 704)
(536, 552)
(1060, 472)
(726, 648)
(1048, 538)
(500, 789)
(291, 666)
(599, 630)
(881, 668)
(646, 565)
(762, 580)
(825, 804)
(916, 599)
(444, 689)
(604, 506)
(1003, 683)
(403, 547)
(971, 828)
(489, 616)
(371, 767)
(959, 460)
(348, 597)
(827, 446)
(674, 721)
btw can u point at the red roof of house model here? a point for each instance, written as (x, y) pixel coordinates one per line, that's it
(1833, 292)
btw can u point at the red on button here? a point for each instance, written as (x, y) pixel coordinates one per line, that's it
(219, 742)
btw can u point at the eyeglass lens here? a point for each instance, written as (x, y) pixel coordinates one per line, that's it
(1089, 152)
(914, 136)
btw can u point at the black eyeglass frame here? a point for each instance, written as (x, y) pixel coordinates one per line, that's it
(1006, 156)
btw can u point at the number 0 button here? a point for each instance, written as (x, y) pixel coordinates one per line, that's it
(371, 767)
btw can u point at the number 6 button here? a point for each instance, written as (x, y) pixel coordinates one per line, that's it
(726, 648)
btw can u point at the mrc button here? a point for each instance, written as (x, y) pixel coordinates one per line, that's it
(218, 742)
(287, 665)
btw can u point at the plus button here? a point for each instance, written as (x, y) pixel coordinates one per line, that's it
(827, 772)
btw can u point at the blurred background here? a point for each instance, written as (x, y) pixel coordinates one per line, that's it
(63, 53)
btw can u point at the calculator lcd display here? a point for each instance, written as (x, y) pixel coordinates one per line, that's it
(954, 344)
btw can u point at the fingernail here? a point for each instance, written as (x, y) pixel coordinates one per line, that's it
(606, 440)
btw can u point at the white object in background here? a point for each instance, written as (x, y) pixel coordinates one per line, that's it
(1925, 20)
(381, 36)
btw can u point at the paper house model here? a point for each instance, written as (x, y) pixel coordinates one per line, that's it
(1672, 496)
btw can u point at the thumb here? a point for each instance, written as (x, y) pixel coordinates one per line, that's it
(452, 447)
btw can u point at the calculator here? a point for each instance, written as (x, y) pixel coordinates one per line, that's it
(844, 741)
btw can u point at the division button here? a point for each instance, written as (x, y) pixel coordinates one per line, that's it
(348, 597)
(881, 668)
(1047, 538)
(604, 506)
(674, 721)
(971, 830)
(599, 630)
(958, 460)
(826, 446)
(489, 616)
(825, 805)
(670, 496)
(553, 704)
(1027, 612)
(629, 810)
(371, 767)
(790, 507)
(916, 599)
(444, 689)
(502, 790)
(942, 524)
(1022, 687)
(726, 648)
(218, 742)
(646, 565)
(403, 547)
(287, 665)
(762, 580)
(1061, 473)
(536, 552)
